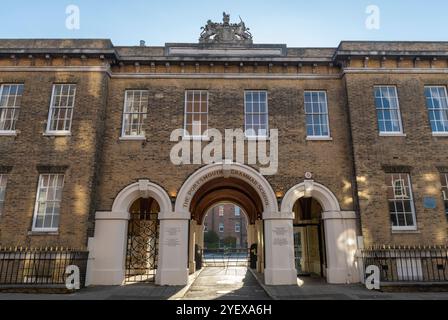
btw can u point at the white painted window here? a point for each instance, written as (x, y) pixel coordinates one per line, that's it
(237, 227)
(237, 211)
(134, 113)
(3, 181)
(196, 113)
(316, 112)
(445, 191)
(48, 202)
(437, 104)
(61, 109)
(221, 211)
(221, 227)
(256, 114)
(401, 202)
(388, 110)
(10, 102)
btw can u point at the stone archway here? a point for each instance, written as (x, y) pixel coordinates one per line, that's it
(340, 230)
(276, 227)
(107, 249)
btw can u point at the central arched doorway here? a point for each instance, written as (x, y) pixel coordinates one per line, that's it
(223, 201)
(225, 241)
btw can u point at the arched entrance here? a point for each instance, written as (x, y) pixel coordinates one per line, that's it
(112, 246)
(142, 241)
(244, 186)
(315, 207)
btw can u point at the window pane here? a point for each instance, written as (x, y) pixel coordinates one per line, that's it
(62, 103)
(316, 114)
(10, 102)
(196, 113)
(437, 104)
(49, 196)
(256, 114)
(388, 110)
(401, 206)
(135, 112)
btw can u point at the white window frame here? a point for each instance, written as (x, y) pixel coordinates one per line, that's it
(3, 185)
(221, 211)
(445, 191)
(382, 109)
(237, 227)
(237, 211)
(191, 135)
(430, 109)
(124, 136)
(50, 111)
(407, 197)
(16, 107)
(221, 227)
(257, 135)
(327, 116)
(36, 205)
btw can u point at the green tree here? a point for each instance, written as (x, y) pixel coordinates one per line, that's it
(211, 240)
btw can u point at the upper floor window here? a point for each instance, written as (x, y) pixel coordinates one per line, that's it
(221, 211)
(48, 202)
(445, 191)
(388, 110)
(221, 227)
(10, 101)
(134, 113)
(3, 180)
(61, 109)
(256, 114)
(401, 202)
(437, 104)
(237, 227)
(237, 211)
(196, 113)
(316, 111)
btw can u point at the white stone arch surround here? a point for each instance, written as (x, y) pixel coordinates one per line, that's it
(142, 189)
(326, 198)
(226, 170)
(107, 249)
(340, 230)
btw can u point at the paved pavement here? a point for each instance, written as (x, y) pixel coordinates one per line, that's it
(235, 283)
(309, 288)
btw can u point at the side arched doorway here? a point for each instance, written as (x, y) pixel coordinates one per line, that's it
(329, 232)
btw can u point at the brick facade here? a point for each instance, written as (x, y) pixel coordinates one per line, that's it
(99, 164)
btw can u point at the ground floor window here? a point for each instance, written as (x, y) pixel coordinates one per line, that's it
(401, 202)
(3, 179)
(48, 202)
(445, 191)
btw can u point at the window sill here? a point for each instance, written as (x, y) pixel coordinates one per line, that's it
(393, 135)
(8, 133)
(43, 233)
(57, 134)
(440, 134)
(405, 231)
(132, 138)
(319, 139)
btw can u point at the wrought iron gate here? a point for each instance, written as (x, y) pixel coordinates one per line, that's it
(142, 246)
(226, 258)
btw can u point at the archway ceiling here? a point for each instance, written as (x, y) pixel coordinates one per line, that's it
(226, 190)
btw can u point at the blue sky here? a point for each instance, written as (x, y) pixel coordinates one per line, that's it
(294, 22)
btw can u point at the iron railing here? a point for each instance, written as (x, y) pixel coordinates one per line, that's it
(225, 258)
(409, 264)
(39, 267)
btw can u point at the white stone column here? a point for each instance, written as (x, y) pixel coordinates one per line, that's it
(107, 250)
(279, 249)
(172, 267)
(340, 240)
(191, 251)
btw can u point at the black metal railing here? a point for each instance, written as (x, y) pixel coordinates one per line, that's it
(409, 264)
(225, 258)
(39, 267)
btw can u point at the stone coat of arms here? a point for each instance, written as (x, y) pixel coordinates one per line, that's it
(226, 32)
